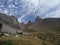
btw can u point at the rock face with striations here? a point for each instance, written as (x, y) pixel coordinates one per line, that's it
(10, 20)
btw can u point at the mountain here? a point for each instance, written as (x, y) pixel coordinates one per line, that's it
(52, 23)
(47, 24)
(38, 20)
(28, 24)
(10, 20)
(37, 25)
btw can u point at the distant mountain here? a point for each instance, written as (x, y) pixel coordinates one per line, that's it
(10, 20)
(38, 20)
(37, 25)
(47, 24)
(52, 23)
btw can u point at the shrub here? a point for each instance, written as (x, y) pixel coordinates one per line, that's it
(6, 42)
(0, 26)
(1, 34)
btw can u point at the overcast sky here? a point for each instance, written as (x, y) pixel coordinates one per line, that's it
(26, 10)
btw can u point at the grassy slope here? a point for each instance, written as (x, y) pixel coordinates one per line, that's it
(53, 39)
(23, 40)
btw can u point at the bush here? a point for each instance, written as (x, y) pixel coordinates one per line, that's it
(6, 42)
(1, 34)
(0, 26)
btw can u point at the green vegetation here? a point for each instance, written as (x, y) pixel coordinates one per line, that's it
(1, 34)
(23, 40)
(6, 42)
(0, 26)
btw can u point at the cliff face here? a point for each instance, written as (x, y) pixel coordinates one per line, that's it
(10, 20)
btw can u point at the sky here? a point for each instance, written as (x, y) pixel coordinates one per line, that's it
(26, 10)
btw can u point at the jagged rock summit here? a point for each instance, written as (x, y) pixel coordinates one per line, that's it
(38, 20)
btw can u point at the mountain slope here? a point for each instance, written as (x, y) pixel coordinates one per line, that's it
(10, 20)
(47, 24)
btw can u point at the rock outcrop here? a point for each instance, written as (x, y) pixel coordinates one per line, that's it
(10, 20)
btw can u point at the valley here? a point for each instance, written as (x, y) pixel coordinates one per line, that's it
(41, 32)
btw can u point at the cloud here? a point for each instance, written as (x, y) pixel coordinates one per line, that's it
(47, 6)
(22, 9)
(54, 13)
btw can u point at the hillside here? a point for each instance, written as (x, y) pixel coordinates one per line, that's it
(10, 20)
(40, 32)
(52, 23)
(47, 24)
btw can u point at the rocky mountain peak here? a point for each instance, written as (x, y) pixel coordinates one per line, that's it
(38, 20)
(29, 22)
(10, 20)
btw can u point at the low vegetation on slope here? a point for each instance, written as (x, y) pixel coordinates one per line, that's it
(38, 39)
(50, 38)
(23, 40)
(0, 26)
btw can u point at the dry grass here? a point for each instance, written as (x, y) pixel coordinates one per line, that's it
(23, 40)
